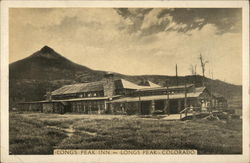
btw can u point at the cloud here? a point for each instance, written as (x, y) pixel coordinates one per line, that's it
(151, 18)
(152, 24)
(134, 16)
(132, 41)
(183, 19)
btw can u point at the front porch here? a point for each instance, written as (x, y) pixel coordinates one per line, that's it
(181, 107)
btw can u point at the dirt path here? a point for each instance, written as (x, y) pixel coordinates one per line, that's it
(70, 131)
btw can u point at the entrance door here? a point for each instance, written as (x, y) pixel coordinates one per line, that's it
(145, 107)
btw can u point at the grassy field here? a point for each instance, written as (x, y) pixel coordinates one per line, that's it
(39, 133)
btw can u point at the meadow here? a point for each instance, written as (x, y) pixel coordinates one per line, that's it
(40, 133)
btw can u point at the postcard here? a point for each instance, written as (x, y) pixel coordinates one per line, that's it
(125, 81)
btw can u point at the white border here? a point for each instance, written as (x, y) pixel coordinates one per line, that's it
(114, 158)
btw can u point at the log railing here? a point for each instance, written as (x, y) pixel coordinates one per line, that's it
(192, 110)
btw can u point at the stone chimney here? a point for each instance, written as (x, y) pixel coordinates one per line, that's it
(109, 85)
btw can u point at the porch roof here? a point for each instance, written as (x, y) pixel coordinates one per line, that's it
(68, 100)
(195, 94)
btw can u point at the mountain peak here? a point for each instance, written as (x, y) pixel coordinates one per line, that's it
(46, 49)
(47, 52)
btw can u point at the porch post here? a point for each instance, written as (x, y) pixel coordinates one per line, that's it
(84, 107)
(152, 107)
(139, 107)
(166, 106)
(179, 105)
(111, 108)
(99, 109)
(105, 105)
(126, 107)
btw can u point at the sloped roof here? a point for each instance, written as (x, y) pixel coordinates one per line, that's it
(181, 86)
(217, 95)
(153, 85)
(165, 88)
(122, 83)
(198, 91)
(82, 87)
(98, 86)
(95, 86)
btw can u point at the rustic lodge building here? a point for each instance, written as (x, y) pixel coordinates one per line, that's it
(119, 96)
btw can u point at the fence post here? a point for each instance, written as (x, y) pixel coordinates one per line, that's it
(194, 114)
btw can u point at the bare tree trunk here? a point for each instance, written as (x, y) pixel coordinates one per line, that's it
(203, 64)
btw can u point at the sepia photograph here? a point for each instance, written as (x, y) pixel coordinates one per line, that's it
(125, 81)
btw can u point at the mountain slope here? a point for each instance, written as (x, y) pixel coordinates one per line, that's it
(46, 64)
(46, 70)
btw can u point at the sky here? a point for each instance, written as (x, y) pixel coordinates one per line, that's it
(134, 41)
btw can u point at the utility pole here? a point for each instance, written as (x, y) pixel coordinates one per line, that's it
(195, 78)
(168, 111)
(211, 90)
(176, 74)
(139, 102)
(185, 100)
